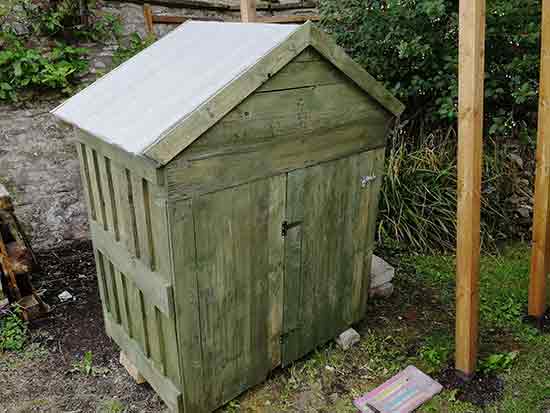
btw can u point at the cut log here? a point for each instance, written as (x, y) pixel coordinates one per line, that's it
(131, 369)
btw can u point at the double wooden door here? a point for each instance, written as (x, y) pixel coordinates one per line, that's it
(282, 266)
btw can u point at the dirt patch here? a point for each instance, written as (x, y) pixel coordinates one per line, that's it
(481, 390)
(44, 378)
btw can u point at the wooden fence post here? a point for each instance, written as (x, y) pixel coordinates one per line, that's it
(148, 16)
(248, 11)
(470, 148)
(540, 255)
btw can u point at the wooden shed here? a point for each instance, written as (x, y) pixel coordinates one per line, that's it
(232, 174)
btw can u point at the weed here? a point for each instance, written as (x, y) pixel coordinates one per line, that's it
(496, 363)
(13, 332)
(86, 367)
(111, 406)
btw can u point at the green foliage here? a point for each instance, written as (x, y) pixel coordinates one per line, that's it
(412, 46)
(85, 366)
(135, 45)
(435, 352)
(38, 39)
(419, 201)
(498, 362)
(24, 68)
(13, 332)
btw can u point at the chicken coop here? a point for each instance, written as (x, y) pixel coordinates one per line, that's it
(232, 174)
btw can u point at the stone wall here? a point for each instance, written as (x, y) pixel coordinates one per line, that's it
(38, 162)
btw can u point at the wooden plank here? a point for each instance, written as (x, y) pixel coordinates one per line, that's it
(216, 108)
(248, 11)
(303, 73)
(122, 290)
(154, 334)
(140, 165)
(112, 290)
(330, 50)
(153, 285)
(284, 113)
(164, 387)
(170, 348)
(102, 283)
(233, 259)
(224, 6)
(273, 158)
(470, 144)
(86, 179)
(182, 240)
(148, 17)
(125, 208)
(142, 204)
(277, 205)
(111, 212)
(371, 165)
(95, 184)
(293, 285)
(164, 19)
(136, 316)
(540, 257)
(289, 19)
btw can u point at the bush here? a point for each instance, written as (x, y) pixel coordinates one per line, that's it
(412, 46)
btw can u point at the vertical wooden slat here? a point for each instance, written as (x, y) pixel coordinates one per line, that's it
(103, 293)
(112, 290)
(121, 289)
(182, 234)
(109, 194)
(136, 316)
(292, 312)
(248, 11)
(97, 187)
(133, 204)
(86, 180)
(371, 171)
(470, 146)
(148, 17)
(142, 211)
(540, 256)
(276, 244)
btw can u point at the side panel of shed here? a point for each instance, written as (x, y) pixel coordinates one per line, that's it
(128, 222)
(307, 113)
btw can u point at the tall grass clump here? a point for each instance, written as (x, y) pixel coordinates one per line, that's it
(419, 195)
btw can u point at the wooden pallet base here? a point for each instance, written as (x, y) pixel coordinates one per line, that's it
(131, 369)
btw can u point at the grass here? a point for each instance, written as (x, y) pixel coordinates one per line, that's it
(416, 326)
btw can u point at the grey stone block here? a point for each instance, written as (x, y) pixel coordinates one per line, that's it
(381, 272)
(348, 338)
(382, 291)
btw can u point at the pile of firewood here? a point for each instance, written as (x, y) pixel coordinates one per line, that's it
(17, 262)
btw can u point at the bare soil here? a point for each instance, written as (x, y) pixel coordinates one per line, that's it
(45, 377)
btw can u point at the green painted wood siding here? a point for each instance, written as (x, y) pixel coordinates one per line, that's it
(280, 128)
(128, 222)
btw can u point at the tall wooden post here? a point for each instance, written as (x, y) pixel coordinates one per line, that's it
(248, 11)
(470, 146)
(540, 257)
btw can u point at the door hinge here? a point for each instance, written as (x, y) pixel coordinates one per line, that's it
(285, 226)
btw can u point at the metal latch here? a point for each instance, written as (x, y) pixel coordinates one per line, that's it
(286, 226)
(365, 180)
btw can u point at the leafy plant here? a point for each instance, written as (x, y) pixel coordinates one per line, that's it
(497, 362)
(13, 332)
(23, 68)
(135, 45)
(85, 366)
(412, 46)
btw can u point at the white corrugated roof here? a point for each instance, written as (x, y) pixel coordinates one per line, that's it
(135, 104)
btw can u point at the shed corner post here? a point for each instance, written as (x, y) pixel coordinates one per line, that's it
(248, 11)
(470, 148)
(540, 254)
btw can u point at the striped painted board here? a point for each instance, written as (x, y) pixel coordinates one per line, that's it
(402, 393)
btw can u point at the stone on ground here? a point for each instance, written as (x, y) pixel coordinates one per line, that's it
(381, 272)
(348, 338)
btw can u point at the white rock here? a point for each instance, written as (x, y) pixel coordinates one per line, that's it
(65, 296)
(382, 291)
(348, 338)
(380, 273)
